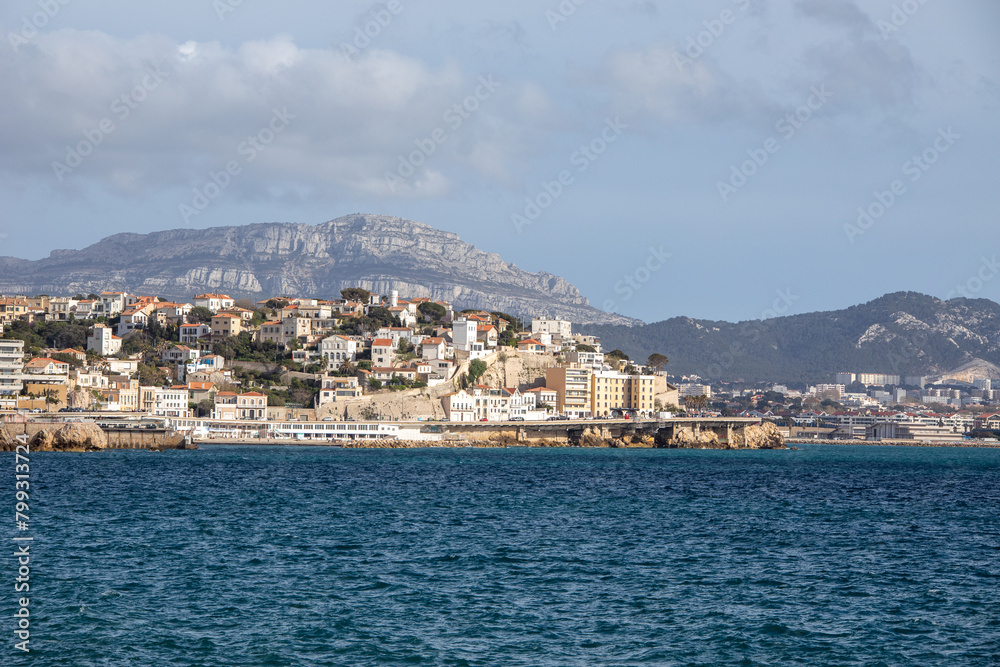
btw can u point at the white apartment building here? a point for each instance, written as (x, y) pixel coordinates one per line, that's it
(11, 368)
(552, 327)
(171, 401)
(214, 302)
(695, 390)
(465, 334)
(192, 333)
(102, 341)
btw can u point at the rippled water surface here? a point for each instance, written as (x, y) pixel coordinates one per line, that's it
(304, 556)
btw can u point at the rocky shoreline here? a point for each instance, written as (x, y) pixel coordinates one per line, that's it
(75, 437)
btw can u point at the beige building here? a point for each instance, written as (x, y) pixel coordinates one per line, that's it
(12, 309)
(339, 389)
(572, 384)
(122, 394)
(226, 325)
(611, 390)
(61, 309)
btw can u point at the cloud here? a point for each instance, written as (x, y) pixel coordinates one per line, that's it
(159, 114)
(865, 71)
(661, 83)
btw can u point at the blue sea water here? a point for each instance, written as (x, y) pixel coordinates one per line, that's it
(313, 556)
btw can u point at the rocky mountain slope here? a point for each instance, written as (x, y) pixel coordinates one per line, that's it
(378, 253)
(903, 333)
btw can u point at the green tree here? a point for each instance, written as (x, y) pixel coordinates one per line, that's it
(67, 359)
(200, 315)
(355, 294)
(513, 323)
(615, 356)
(477, 368)
(582, 347)
(276, 304)
(432, 312)
(657, 361)
(381, 317)
(151, 376)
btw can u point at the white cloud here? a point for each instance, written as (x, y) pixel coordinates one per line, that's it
(179, 110)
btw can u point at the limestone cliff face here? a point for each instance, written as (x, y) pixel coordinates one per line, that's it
(378, 253)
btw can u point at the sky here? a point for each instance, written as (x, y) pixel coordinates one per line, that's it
(721, 159)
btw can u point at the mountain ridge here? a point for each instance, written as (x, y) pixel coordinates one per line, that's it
(375, 252)
(901, 333)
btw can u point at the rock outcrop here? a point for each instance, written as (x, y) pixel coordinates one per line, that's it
(759, 436)
(7, 442)
(80, 437)
(378, 253)
(754, 436)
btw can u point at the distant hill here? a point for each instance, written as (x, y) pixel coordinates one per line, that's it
(903, 333)
(378, 253)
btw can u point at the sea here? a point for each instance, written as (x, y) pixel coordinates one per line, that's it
(242, 555)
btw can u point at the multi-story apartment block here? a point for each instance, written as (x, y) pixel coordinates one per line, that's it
(11, 367)
(572, 384)
(553, 327)
(171, 401)
(593, 359)
(877, 378)
(464, 334)
(692, 389)
(612, 390)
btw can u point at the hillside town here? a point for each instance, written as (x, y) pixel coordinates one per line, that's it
(213, 361)
(239, 367)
